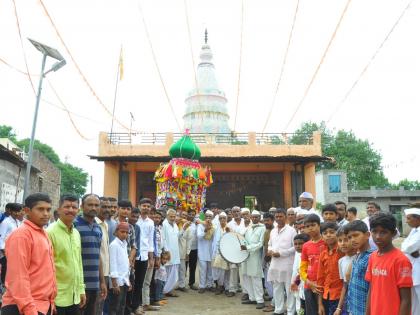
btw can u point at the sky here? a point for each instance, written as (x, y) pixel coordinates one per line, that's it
(165, 36)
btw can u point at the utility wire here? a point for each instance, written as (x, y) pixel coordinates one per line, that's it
(157, 65)
(240, 66)
(79, 69)
(362, 73)
(282, 67)
(319, 65)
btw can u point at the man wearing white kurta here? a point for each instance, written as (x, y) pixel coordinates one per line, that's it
(184, 251)
(170, 235)
(220, 267)
(205, 236)
(282, 252)
(236, 225)
(411, 248)
(252, 267)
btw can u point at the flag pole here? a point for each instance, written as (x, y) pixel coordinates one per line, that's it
(119, 70)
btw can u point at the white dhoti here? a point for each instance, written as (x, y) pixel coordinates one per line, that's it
(172, 278)
(279, 289)
(221, 276)
(415, 299)
(233, 278)
(241, 279)
(268, 284)
(181, 274)
(206, 279)
(254, 288)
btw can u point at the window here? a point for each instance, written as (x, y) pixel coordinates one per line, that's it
(334, 183)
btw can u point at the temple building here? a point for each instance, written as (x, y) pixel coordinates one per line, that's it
(257, 170)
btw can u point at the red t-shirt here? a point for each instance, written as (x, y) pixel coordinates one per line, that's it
(387, 273)
(310, 253)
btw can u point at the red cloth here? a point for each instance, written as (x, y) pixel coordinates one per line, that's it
(310, 254)
(328, 274)
(30, 278)
(387, 274)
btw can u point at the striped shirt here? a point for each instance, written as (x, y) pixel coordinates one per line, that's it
(91, 238)
(358, 287)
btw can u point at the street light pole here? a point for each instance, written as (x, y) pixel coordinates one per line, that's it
(46, 51)
(31, 143)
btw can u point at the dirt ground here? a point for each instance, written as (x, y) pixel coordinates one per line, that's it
(193, 303)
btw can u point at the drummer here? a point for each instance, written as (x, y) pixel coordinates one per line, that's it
(252, 267)
(236, 225)
(220, 270)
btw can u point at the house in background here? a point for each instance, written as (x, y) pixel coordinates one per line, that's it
(331, 186)
(45, 176)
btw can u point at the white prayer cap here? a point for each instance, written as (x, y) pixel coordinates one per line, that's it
(222, 214)
(255, 212)
(209, 212)
(272, 209)
(412, 211)
(306, 195)
(245, 210)
(291, 210)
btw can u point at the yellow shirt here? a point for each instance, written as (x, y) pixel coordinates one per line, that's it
(68, 263)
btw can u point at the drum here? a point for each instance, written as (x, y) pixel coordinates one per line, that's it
(230, 248)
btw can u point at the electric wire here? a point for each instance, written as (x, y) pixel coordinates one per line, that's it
(282, 67)
(156, 64)
(240, 66)
(366, 67)
(314, 75)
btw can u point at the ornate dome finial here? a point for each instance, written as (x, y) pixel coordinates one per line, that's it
(206, 37)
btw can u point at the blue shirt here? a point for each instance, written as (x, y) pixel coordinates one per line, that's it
(358, 287)
(91, 237)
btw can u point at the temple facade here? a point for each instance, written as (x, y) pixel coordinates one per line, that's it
(256, 170)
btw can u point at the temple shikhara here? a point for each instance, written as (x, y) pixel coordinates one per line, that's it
(257, 170)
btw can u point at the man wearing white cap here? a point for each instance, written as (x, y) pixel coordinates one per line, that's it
(205, 236)
(252, 267)
(411, 248)
(220, 270)
(236, 225)
(306, 202)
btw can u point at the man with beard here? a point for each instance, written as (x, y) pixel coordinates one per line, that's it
(103, 215)
(269, 225)
(341, 213)
(91, 239)
(252, 267)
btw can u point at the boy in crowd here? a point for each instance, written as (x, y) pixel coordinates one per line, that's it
(310, 261)
(344, 266)
(30, 281)
(389, 271)
(297, 286)
(329, 284)
(358, 235)
(160, 277)
(411, 248)
(351, 214)
(329, 213)
(119, 269)
(66, 243)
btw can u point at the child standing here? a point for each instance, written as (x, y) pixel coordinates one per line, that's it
(119, 270)
(310, 260)
(358, 235)
(329, 284)
(297, 285)
(344, 266)
(389, 271)
(160, 277)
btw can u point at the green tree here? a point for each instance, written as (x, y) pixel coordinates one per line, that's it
(7, 132)
(351, 154)
(73, 179)
(407, 184)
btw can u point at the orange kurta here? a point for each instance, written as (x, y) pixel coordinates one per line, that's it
(328, 273)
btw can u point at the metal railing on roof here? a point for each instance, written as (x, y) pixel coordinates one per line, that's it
(233, 138)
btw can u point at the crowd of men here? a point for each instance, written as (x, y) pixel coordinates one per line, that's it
(103, 256)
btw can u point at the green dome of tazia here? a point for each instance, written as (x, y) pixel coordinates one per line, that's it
(185, 148)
